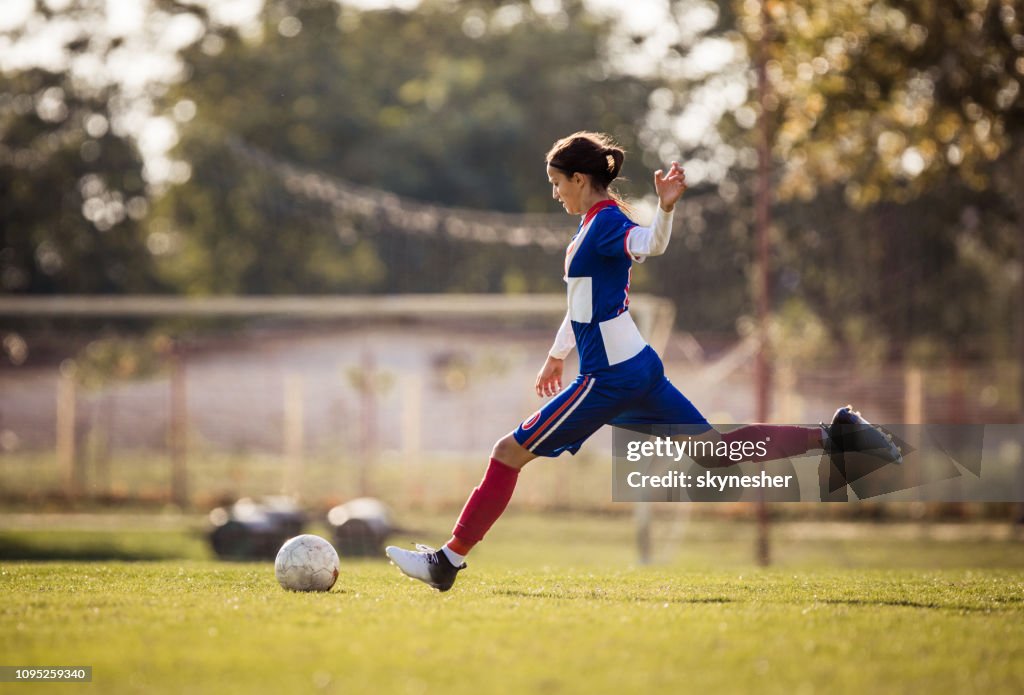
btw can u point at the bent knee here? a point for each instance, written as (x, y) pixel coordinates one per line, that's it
(510, 452)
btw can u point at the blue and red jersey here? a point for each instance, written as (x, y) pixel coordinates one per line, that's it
(622, 380)
(597, 268)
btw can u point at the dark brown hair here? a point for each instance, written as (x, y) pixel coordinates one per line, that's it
(594, 154)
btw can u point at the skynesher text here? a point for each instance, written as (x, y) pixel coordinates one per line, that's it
(707, 480)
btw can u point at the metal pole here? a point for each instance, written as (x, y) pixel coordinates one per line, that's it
(294, 434)
(178, 430)
(369, 421)
(762, 288)
(67, 459)
(1019, 512)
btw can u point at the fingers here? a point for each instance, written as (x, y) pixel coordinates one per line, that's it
(548, 387)
(675, 173)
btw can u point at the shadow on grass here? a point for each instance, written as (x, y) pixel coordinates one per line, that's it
(926, 605)
(20, 549)
(598, 595)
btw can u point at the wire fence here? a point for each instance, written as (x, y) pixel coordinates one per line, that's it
(329, 411)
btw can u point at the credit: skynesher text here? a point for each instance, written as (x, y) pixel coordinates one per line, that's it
(707, 480)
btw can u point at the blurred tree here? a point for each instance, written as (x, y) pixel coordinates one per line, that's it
(71, 191)
(455, 104)
(887, 98)
(896, 136)
(914, 111)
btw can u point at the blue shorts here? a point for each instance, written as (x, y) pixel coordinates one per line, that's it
(633, 392)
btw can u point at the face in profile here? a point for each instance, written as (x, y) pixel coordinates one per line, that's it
(567, 189)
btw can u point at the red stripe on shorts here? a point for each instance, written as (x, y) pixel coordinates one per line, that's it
(558, 412)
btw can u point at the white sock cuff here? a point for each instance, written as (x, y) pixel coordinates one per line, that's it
(453, 557)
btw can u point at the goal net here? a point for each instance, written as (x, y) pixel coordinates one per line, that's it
(198, 401)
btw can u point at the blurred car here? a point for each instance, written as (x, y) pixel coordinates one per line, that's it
(361, 527)
(254, 530)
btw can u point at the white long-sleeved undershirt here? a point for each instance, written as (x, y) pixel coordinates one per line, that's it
(642, 242)
(565, 340)
(653, 240)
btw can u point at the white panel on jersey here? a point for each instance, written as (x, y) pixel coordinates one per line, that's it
(574, 246)
(581, 299)
(621, 338)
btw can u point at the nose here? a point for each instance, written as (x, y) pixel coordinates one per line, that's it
(554, 192)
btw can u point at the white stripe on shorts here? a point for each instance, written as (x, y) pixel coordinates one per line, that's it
(567, 414)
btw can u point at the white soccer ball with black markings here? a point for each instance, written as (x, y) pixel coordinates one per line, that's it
(307, 563)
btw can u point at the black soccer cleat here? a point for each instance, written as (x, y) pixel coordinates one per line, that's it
(430, 566)
(850, 432)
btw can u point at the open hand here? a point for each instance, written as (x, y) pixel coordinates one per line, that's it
(549, 378)
(671, 186)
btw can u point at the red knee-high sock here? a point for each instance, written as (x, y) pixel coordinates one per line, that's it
(485, 504)
(781, 441)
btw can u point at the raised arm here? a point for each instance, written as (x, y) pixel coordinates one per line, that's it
(653, 240)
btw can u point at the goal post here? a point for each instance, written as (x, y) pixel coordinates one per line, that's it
(654, 314)
(179, 409)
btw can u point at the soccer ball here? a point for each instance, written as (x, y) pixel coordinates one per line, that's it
(307, 563)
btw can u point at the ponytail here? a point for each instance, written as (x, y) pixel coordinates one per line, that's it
(614, 156)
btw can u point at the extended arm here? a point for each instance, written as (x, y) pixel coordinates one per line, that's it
(549, 378)
(565, 340)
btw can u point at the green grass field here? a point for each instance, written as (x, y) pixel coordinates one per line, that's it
(547, 606)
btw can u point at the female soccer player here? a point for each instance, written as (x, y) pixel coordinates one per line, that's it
(621, 379)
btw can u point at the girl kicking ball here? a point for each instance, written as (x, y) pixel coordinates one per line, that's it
(621, 378)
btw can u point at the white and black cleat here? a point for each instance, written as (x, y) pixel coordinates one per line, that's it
(430, 566)
(850, 432)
